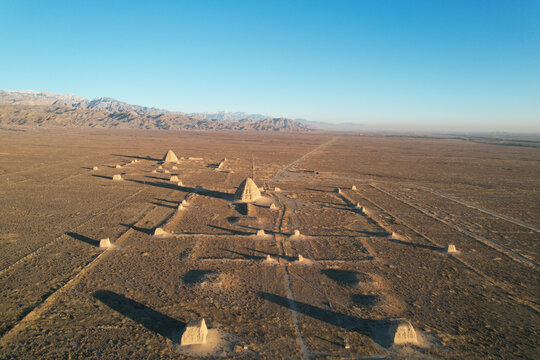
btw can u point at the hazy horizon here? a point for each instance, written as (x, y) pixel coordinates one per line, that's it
(418, 65)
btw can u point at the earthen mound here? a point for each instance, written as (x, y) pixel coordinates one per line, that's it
(247, 191)
(170, 157)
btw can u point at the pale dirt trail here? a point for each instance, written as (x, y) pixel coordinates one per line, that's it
(279, 238)
(46, 245)
(80, 160)
(39, 309)
(285, 169)
(476, 207)
(438, 193)
(449, 197)
(41, 167)
(515, 297)
(306, 353)
(514, 255)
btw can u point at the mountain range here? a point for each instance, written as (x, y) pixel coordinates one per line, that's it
(228, 115)
(43, 109)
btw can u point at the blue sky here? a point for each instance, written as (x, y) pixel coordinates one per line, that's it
(434, 65)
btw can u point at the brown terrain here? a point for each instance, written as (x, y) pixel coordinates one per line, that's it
(364, 267)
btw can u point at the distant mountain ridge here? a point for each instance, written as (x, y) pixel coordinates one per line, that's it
(229, 116)
(33, 108)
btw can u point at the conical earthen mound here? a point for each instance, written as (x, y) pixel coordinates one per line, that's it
(170, 156)
(247, 191)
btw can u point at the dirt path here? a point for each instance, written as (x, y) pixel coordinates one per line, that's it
(279, 226)
(53, 241)
(476, 207)
(306, 354)
(514, 255)
(438, 193)
(48, 301)
(449, 197)
(312, 152)
(489, 280)
(79, 160)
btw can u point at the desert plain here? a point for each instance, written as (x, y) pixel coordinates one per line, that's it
(373, 215)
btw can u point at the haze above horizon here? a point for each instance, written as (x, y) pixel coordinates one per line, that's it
(417, 65)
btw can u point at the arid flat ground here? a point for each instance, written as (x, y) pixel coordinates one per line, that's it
(62, 297)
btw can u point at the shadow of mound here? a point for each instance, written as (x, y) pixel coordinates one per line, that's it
(193, 277)
(83, 238)
(156, 177)
(140, 313)
(376, 329)
(344, 277)
(233, 219)
(284, 257)
(331, 317)
(381, 233)
(215, 194)
(242, 209)
(102, 176)
(163, 205)
(255, 229)
(168, 185)
(138, 157)
(365, 300)
(166, 200)
(245, 256)
(420, 246)
(230, 231)
(318, 190)
(139, 229)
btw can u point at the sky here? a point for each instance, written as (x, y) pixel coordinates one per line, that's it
(447, 65)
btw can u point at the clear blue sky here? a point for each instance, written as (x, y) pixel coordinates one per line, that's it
(430, 64)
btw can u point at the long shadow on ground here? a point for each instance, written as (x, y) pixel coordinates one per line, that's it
(166, 185)
(169, 201)
(197, 276)
(157, 177)
(138, 157)
(376, 329)
(268, 232)
(139, 229)
(163, 205)
(366, 300)
(232, 231)
(319, 190)
(421, 246)
(344, 277)
(147, 317)
(285, 257)
(337, 207)
(215, 194)
(382, 233)
(83, 238)
(102, 176)
(199, 190)
(246, 256)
